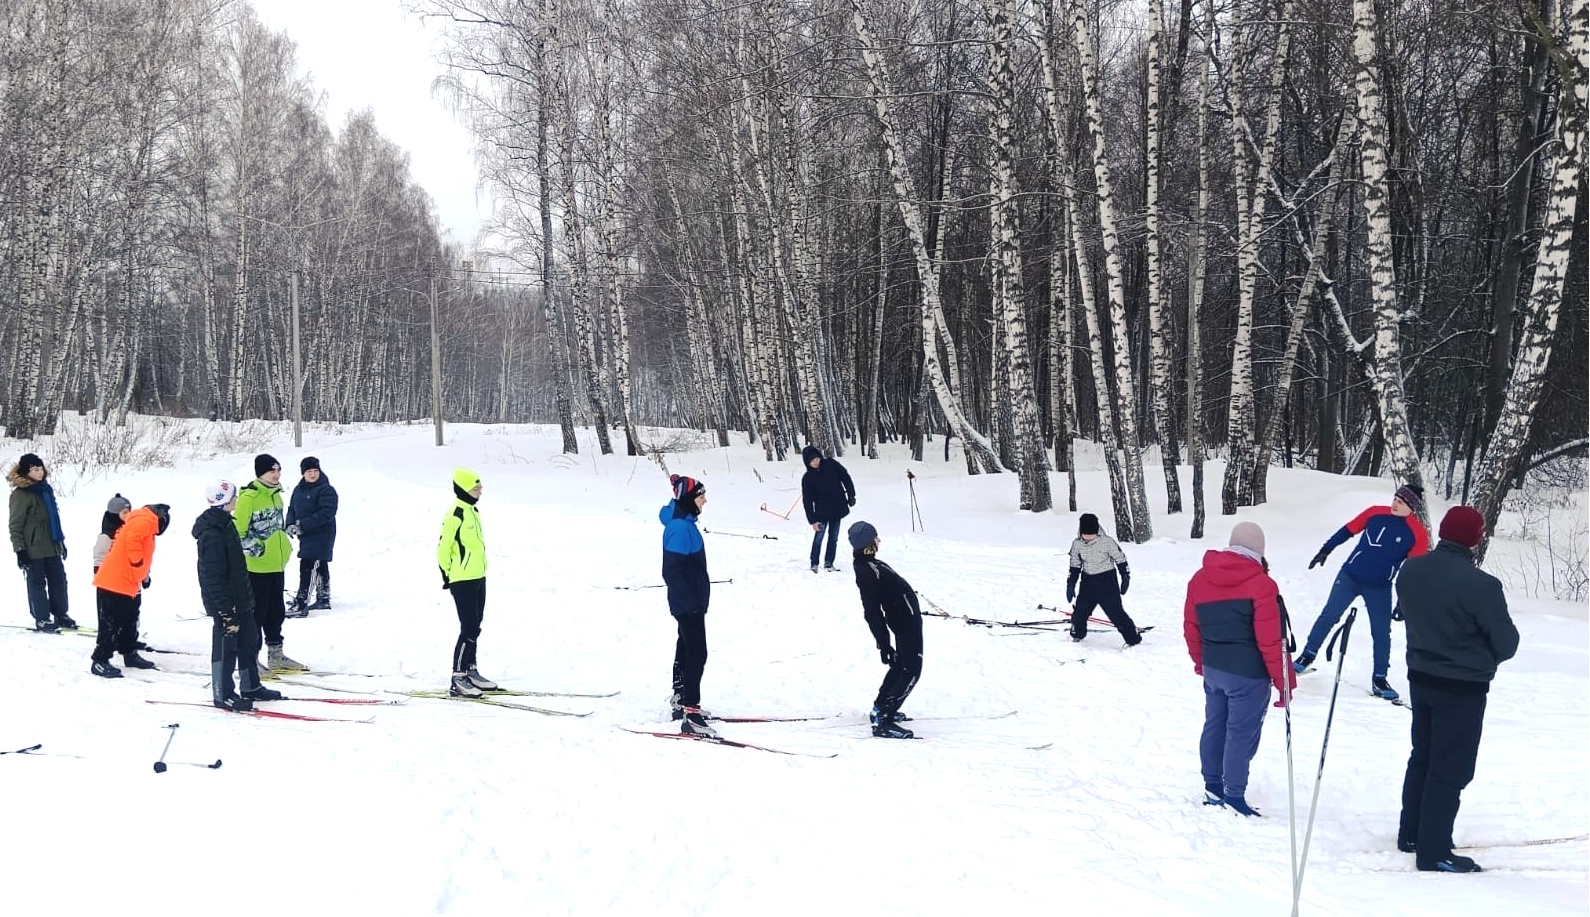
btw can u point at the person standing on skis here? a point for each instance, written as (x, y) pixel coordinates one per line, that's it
(889, 605)
(684, 570)
(1388, 535)
(1096, 560)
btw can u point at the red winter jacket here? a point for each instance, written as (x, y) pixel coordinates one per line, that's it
(1232, 619)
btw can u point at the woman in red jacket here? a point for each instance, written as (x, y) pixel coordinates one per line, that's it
(1234, 624)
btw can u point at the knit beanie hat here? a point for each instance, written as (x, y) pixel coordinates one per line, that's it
(218, 493)
(1088, 524)
(862, 534)
(308, 463)
(28, 463)
(117, 504)
(265, 462)
(1464, 525)
(809, 453)
(1411, 494)
(1248, 535)
(686, 488)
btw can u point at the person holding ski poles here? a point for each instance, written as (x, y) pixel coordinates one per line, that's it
(1096, 560)
(1234, 623)
(1459, 632)
(888, 604)
(1388, 535)
(228, 597)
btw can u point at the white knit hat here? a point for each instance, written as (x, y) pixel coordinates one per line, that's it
(220, 493)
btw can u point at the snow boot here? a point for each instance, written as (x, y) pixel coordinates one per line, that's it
(298, 605)
(65, 622)
(132, 660)
(1214, 794)
(480, 681)
(279, 661)
(1382, 688)
(895, 717)
(235, 703)
(322, 601)
(45, 626)
(263, 693)
(1240, 806)
(104, 670)
(1302, 661)
(695, 724)
(462, 686)
(1450, 863)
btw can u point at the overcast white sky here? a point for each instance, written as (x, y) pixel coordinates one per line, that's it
(370, 53)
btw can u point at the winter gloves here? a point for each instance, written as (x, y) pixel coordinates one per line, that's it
(147, 581)
(851, 502)
(446, 583)
(22, 560)
(294, 530)
(1319, 558)
(886, 653)
(1071, 584)
(1396, 613)
(1126, 576)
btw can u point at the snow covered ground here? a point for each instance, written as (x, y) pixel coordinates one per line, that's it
(1087, 799)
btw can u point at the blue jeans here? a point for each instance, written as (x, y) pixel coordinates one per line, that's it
(1377, 602)
(1234, 707)
(829, 527)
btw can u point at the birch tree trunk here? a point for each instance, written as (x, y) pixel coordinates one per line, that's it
(1158, 341)
(1541, 311)
(1385, 369)
(1196, 270)
(905, 197)
(1141, 525)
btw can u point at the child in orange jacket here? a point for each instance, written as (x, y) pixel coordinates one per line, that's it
(120, 580)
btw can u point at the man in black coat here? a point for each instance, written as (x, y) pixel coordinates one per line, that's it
(1458, 633)
(828, 494)
(228, 598)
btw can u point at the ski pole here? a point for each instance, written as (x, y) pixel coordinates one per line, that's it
(1330, 716)
(23, 751)
(160, 765)
(716, 582)
(1288, 645)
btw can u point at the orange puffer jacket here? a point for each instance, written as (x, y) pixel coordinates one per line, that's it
(131, 553)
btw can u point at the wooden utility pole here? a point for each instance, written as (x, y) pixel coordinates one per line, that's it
(298, 373)
(436, 364)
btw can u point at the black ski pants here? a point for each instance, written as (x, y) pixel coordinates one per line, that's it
(46, 579)
(469, 597)
(316, 573)
(234, 652)
(903, 673)
(1446, 742)
(270, 607)
(118, 624)
(1109, 601)
(690, 657)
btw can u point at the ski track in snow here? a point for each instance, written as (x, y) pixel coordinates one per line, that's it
(438, 807)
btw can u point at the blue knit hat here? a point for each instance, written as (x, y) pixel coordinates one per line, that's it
(862, 534)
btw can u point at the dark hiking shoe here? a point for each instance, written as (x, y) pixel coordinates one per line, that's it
(321, 604)
(1240, 806)
(263, 693)
(105, 670)
(1450, 863)
(132, 660)
(1404, 845)
(65, 622)
(235, 704)
(46, 627)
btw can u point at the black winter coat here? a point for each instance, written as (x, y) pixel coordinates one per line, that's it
(1456, 616)
(223, 575)
(885, 595)
(826, 491)
(313, 509)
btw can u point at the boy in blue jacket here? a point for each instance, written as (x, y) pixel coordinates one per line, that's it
(684, 570)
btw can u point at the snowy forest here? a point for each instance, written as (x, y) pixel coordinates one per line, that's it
(1339, 235)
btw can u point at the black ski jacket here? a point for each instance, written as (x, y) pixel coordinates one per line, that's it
(885, 595)
(223, 575)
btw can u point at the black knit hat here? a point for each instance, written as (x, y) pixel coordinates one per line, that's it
(29, 462)
(686, 488)
(265, 462)
(1088, 524)
(308, 463)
